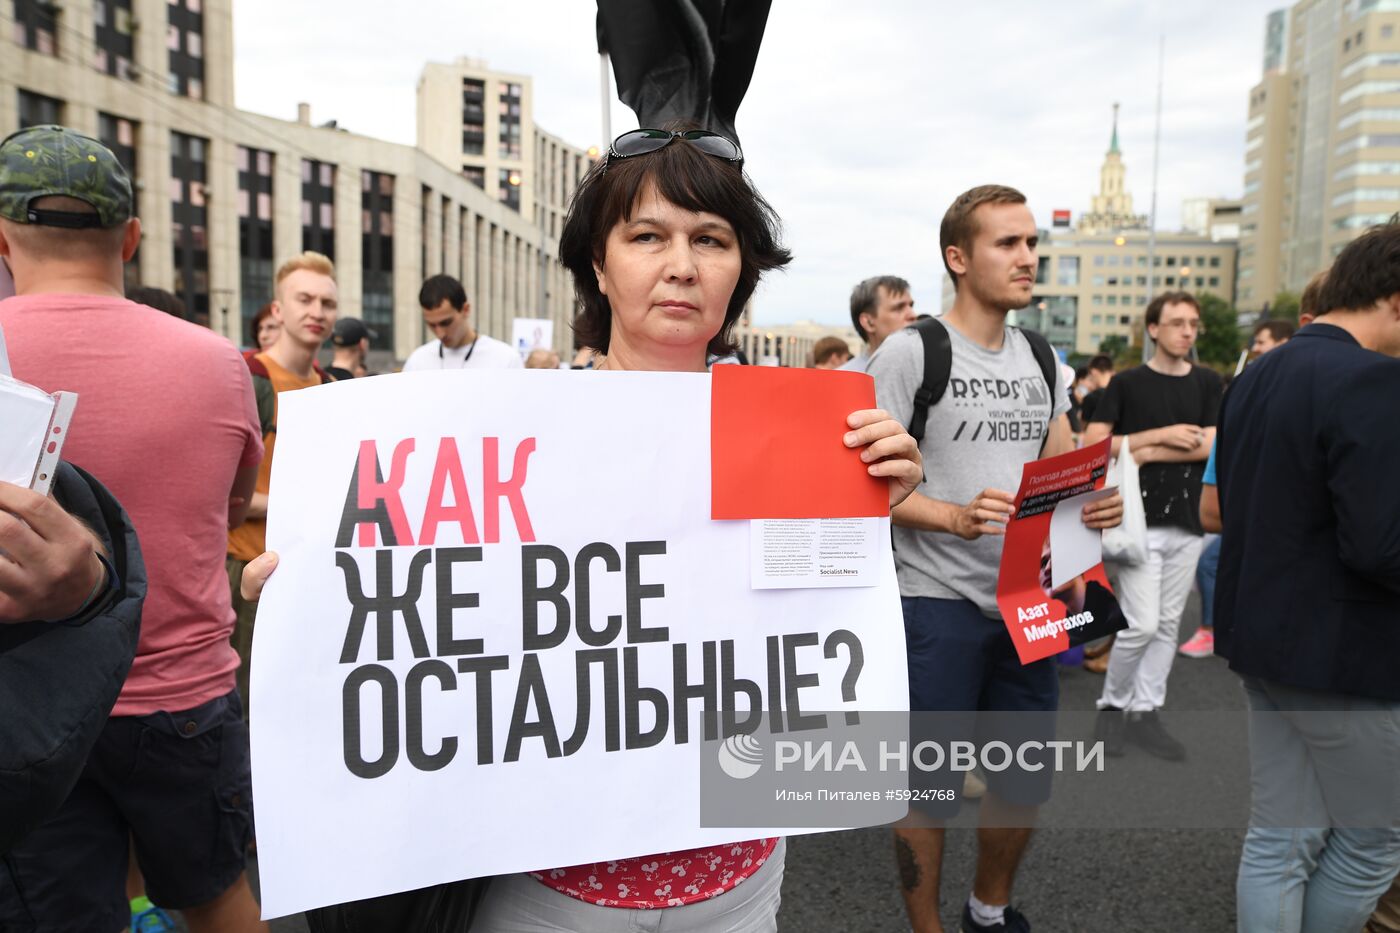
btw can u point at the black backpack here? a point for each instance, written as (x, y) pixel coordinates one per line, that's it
(938, 366)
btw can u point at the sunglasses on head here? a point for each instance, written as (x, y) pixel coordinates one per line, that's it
(643, 141)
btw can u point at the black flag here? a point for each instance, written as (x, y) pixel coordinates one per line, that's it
(688, 60)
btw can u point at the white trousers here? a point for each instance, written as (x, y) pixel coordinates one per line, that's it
(1153, 597)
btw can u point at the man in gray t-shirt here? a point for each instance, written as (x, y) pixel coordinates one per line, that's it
(996, 414)
(993, 418)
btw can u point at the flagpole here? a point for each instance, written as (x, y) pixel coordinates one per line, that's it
(1152, 217)
(607, 102)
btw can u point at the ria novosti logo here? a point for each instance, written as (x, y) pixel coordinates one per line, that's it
(740, 756)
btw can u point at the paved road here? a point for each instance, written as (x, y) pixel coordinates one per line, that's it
(1158, 880)
(1081, 880)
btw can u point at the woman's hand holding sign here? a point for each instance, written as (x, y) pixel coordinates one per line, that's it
(890, 451)
(255, 574)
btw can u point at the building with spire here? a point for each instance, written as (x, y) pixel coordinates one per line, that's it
(1093, 283)
(1112, 207)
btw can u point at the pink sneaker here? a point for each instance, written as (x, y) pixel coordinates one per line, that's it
(1199, 645)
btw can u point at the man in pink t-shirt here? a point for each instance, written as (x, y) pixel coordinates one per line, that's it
(165, 420)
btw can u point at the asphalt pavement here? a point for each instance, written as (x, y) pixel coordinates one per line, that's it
(1160, 875)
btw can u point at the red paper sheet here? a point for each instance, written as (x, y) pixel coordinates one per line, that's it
(776, 448)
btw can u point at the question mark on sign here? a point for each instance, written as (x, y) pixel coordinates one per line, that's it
(856, 655)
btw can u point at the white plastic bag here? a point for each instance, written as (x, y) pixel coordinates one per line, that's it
(1126, 545)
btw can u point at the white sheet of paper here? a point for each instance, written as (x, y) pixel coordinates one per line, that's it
(25, 413)
(1074, 548)
(4, 354)
(793, 553)
(328, 835)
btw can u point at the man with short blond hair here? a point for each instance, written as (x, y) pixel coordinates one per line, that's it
(306, 303)
(166, 422)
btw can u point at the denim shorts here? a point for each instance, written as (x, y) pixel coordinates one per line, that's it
(966, 683)
(178, 784)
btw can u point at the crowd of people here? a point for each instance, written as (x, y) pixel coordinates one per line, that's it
(150, 802)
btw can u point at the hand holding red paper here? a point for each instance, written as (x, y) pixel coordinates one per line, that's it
(773, 450)
(889, 449)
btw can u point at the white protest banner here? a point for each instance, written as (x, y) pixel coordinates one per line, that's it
(531, 333)
(500, 609)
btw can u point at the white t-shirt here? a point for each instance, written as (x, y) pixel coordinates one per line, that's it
(486, 353)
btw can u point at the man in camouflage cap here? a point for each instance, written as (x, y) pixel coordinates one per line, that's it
(51, 161)
(166, 422)
(63, 196)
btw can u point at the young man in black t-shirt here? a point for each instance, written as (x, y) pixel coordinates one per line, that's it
(1167, 410)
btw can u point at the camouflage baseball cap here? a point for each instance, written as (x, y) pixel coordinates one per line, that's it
(53, 160)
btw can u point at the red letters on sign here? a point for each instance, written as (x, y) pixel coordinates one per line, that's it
(377, 502)
(372, 491)
(448, 471)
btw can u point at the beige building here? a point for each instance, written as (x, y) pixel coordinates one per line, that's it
(1092, 283)
(483, 120)
(224, 195)
(1217, 218)
(1094, 287)
(1322, 149)
(789, 344)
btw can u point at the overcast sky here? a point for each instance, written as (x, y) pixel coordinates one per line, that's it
(860, 125)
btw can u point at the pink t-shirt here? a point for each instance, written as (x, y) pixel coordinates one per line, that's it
(165, 418)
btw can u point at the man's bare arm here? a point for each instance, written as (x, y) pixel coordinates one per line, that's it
(985, 515)
(1162, 453)
(1210, 508)
(241, 495)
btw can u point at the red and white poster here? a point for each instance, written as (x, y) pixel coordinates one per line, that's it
(505, 611)
(1052, 591)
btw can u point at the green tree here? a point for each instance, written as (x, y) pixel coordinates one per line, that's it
(1284, 307)
(1114, 346)
(1220, 341)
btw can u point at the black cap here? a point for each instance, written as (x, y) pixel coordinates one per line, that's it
(349, 331)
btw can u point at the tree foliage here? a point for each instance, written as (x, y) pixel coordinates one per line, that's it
(1220, 341)
(1284, 307)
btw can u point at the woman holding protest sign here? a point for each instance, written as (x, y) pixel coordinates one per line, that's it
(666, 240)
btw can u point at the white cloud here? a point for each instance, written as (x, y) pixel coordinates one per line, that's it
(860, 125)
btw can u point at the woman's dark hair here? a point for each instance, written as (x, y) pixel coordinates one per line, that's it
(256, 324)
(160, 299)
(691, 180)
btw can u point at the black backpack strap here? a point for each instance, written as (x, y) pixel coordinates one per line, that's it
(938, 365)
(1049, 363)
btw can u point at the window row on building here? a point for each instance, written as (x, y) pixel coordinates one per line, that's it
(516, 276)
(111, 47)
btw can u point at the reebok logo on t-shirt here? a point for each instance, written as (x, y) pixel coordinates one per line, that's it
(1031, 388)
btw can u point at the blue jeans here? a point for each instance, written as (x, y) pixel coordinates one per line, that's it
(1324, 830)
(1205, 579)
